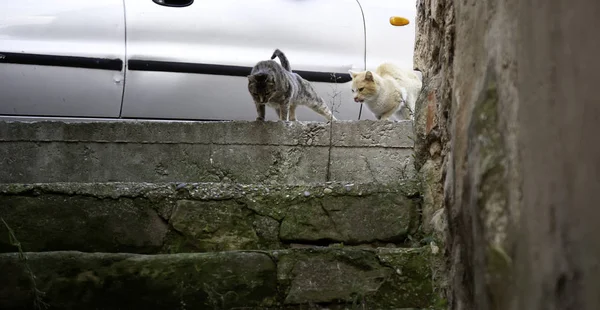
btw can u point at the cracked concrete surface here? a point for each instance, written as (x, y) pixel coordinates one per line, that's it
(234, 199)
(242, 152)
(201, 217)
(277, 279)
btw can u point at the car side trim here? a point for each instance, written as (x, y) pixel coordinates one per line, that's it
(213, 69)
(61, 61)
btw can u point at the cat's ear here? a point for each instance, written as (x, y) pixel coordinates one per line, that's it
(369, 76)
(353, 74)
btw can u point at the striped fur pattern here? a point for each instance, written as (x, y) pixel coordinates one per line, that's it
(276, 86)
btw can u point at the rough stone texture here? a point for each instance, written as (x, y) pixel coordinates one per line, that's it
(202, 217)
(73, 280)
(434, 53)
(434, 56)
(352, 220)
(371, 165)
(357, 277)
(215, 225)
(62, 222)
(508, 115)
(244, 152)
(286, 279)
(466, 142)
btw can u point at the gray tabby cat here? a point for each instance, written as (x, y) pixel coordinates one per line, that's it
(278, 87)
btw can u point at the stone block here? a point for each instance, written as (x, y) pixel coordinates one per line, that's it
(150, 151)
(203, 217)
(283, 279)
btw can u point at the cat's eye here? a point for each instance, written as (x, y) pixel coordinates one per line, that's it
(361, 89)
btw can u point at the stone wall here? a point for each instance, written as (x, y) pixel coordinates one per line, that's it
(295, 279)
(212, 215)
(434, 54)
(114, 245)
(239, 152)
(167, 218)
(434, 49)
(502, 124)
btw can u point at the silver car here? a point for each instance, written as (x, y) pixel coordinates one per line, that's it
(186, 59)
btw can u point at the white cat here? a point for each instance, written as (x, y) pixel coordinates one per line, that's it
(389, 91)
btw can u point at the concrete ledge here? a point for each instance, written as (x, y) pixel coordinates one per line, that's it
(365, 133)
(244, 152)
(204, 217)
(286, 279)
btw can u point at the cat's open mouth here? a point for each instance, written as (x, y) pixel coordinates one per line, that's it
(358, 100)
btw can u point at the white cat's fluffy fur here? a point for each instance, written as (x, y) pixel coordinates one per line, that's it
(389, 91)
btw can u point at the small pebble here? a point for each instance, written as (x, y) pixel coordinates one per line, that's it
(327, 191)
(434, 248)
(306, 194)
(180, 186)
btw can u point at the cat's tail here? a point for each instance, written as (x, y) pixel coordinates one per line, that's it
(284, 61)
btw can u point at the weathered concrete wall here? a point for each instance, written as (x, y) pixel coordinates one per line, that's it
(559, 121)
(243, 152)
(504, 130)
(289, 216)
(434, 55)
(434, 50)
(286, 279)
(205, 217)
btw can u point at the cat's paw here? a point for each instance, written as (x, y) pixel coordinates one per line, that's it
(260, 119)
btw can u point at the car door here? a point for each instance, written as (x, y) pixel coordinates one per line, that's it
(61, 58)
(190, 59)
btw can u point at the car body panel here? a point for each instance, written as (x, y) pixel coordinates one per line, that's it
(187, 63)
(387, 43)
(61, 58)
(316, 35)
